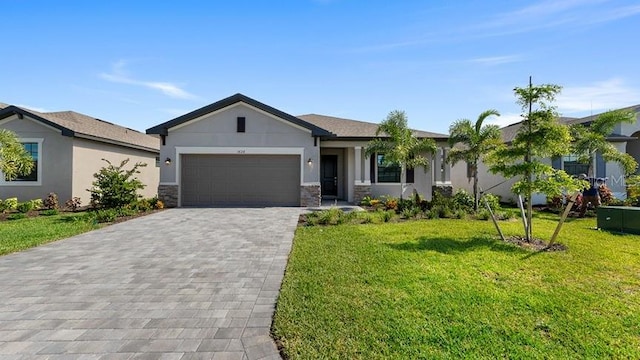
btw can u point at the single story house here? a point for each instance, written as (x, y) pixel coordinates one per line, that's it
(67, 148)
(239, 151)
(625, 137)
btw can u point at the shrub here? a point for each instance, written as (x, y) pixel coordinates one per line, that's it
(493, 200)
(332, 216)
(143, 205)
(49, 212)
(106, 215)
(606, 196)
(37, 204)
(462, 200)
(73, 204)
(51, 201)
(391, 203)
(10, 204)
(158, 205)
(388, 215)
(366, 201)
(114, 187)
(25, 207)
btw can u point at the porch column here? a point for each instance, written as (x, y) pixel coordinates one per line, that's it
(362, 183)
(358, 156)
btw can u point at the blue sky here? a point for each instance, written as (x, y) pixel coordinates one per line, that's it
(140, 63)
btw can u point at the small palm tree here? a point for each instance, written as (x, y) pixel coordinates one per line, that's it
(400, 147)
(475, 142)
(588, 140)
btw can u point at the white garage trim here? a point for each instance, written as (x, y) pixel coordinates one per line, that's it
(186, 150)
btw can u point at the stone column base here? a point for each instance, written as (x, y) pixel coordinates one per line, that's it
(168, 194)
(359, 192)
(310, 195)
(444, 190)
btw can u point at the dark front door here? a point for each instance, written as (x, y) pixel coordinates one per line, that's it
(329, 175)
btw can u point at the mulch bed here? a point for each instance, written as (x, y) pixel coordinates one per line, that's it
(535, 244)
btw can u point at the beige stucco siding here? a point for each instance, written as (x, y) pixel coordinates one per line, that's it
(54, 156)
(217, 133)
(87, 155)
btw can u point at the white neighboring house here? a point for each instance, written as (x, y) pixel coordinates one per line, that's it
(239, 151)
(67, 148)
(625, 137)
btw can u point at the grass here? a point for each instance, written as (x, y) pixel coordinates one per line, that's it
(449, 289)
(20, 234)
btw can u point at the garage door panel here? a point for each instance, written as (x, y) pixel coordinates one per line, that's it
(241, 180)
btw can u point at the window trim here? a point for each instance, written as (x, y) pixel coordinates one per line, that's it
(39, 141)
(377, 172)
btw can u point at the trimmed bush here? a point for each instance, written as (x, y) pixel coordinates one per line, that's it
(51, 201)
(25, 207)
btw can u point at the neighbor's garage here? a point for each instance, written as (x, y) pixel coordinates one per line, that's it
(240, 180)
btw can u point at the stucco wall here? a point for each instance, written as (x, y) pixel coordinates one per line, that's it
(55, 157)
(87, 155)
(216, 131)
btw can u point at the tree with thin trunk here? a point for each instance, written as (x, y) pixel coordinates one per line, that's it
(14, 159)
(540, 137)
(400, 146)
(475, 142)
(592, 138)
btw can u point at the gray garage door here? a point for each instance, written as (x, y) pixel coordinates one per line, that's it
(240, 180)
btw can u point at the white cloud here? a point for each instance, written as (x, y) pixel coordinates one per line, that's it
(504, 119)
(599, 96)
(119, 75)
(496, 60)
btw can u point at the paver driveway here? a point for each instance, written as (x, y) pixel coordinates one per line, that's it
(180, 284)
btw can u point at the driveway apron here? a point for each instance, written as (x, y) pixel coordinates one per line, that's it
(179, 284)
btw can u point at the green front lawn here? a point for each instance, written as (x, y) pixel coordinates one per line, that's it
(16, 235)
(449, 289)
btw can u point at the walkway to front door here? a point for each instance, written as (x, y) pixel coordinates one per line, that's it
(180, 284)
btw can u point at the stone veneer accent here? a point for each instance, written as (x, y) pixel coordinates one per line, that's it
(310, 195)
(168, 194)
(359, 192)
(444, 190)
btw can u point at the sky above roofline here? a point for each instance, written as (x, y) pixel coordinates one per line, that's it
(141, 63)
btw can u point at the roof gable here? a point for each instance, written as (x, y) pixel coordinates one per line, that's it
(74, 124)
(162, 129)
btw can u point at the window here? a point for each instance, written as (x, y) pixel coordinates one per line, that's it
(241, 124)
(34, 148)
(387, 173)
(573, 167)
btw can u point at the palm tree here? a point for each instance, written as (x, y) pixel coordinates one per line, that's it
(588, 140)
(400, 146)
(475, 141)
(14, 159)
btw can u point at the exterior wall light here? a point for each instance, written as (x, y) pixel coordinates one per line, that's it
(310, 162)
(167, 161)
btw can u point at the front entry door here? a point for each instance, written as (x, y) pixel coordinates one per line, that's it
(329, 175)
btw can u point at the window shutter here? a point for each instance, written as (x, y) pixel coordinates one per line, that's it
(372, 170)
(601, 166)
(410, 176)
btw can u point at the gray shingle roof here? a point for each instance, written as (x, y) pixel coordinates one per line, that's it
(75, 124)
(347, 128)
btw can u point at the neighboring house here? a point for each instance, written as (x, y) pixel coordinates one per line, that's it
(239, 151)
(67, 148)
(625, 137)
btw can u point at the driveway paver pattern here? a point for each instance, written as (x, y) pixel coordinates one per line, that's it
(179, 284)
